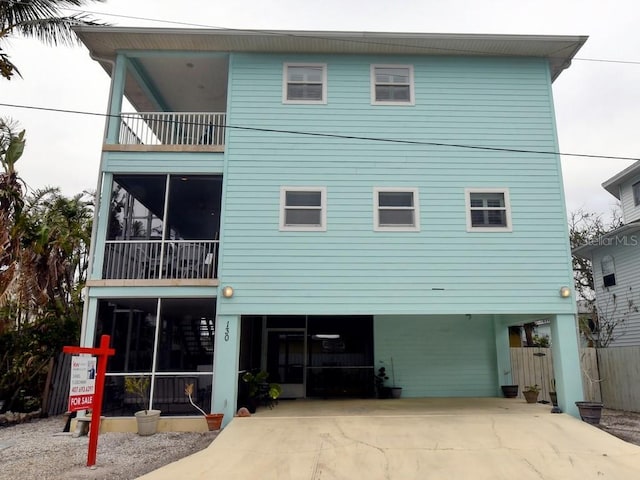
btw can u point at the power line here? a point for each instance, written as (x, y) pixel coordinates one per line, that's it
(343, 137)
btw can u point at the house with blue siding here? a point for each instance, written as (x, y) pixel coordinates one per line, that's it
(615, 263)
(320, 204)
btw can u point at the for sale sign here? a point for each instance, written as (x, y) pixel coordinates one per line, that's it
(83, 383)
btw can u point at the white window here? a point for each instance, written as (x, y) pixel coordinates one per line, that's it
(488, 210)
(303, 208)
(392, 85)
(396, 209)
(608, 271)
(636, 193)
(304, 83)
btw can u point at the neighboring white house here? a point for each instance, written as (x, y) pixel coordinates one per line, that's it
(616, 260)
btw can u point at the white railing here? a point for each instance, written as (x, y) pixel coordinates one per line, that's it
(172, 128)
(157, 259)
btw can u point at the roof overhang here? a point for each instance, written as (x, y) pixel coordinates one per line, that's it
(613, 184)
(613, 238)
(105, 42)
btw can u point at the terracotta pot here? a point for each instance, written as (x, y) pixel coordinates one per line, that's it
(214, 421)
(530, 397)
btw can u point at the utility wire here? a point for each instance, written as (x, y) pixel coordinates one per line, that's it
(339, 136)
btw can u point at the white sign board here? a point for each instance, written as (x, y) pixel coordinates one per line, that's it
(83, 382)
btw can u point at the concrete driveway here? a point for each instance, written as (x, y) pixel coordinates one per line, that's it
(444, 439)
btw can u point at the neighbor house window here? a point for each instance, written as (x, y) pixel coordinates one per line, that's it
(303, 208)
(305, 83)
(396, 209)
(636, 193)
(488, 210)
(392, 85)
(608, 271)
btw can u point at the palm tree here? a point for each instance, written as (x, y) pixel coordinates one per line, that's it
(40, 19)
(44, 243)
(11, 202)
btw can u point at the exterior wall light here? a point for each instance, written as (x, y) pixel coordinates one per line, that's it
(565, 292)
(227, 292)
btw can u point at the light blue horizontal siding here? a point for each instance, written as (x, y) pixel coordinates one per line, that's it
(440, 356)
(163, 162)
(349, 268)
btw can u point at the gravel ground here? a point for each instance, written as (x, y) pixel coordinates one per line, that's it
(32, 451)
(624, 425)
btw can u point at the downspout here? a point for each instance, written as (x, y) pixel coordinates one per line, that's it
(96, 209)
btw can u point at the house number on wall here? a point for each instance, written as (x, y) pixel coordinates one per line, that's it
(226, 332)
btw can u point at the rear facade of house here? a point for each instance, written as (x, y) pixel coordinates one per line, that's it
(321, 204)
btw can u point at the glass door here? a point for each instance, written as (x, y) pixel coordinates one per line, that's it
(285, 360)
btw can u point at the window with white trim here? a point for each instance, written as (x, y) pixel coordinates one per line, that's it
(392, 85)
(488, 210)
(636, 193)
(303, 208)
(396, 209)
(608, 271)
(305, 83)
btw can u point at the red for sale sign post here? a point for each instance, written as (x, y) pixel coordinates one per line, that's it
(83, 383)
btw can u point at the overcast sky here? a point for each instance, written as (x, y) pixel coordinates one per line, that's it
(597, 103)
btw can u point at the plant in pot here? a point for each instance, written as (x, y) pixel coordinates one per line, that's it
(388, 392)
(509, 391)
(146, 419)
(214, 420)
(261, 392)
(379, 378)
(531, 392)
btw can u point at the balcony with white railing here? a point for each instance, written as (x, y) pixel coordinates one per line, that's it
(160, 260)
(171, 130)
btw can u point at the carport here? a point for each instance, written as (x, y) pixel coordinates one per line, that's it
(430, 438)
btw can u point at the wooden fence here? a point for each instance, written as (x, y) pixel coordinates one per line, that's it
(620, 377)
(534, 366)
(58, 388)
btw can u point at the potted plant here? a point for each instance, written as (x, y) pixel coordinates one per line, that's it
(146, 419)
(531, 392)
(509, 391)
(261, 392)
(590, 411)
(214, 420)
(382, 391)
(393, 391)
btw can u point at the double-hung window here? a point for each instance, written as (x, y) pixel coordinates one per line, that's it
(608, 271)
(303, 208)
(488, 210)
(392, 85)
(305, 83)
(396, 209)
(636, 193)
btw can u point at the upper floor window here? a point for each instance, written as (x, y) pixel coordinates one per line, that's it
(488, 210)
(396, 209)
(608, 271)
(303, 208)
(305, 83)
(392, 85)
(636, 193)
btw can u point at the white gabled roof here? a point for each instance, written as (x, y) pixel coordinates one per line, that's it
(105, 42)
(613, 184)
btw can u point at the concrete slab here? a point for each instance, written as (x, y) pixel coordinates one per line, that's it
(404, 439)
